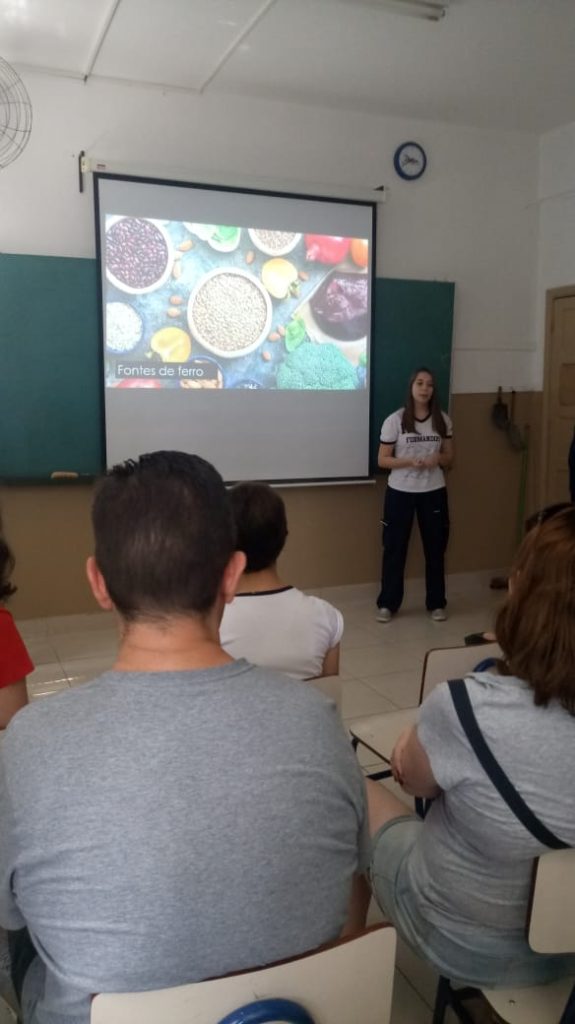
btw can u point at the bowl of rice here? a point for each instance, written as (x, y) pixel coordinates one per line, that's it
(138, 254)
(273, 243)
(229, 312)
(124, 327)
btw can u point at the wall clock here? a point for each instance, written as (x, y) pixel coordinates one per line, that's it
(410, 161)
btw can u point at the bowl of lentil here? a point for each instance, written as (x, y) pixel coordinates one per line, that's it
(139, 255)
(273, 243)
(229, 312)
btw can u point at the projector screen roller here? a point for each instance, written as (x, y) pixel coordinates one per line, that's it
(236, 324)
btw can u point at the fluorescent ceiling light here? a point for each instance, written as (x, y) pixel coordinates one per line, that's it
(428, 10)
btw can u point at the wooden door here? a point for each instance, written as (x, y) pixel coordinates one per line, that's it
(559, 393)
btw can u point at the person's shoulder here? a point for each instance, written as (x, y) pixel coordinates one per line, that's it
(313, 601)
(284, 692)
(330, 615)
(30, 729)
(391, 427)
(43, 718)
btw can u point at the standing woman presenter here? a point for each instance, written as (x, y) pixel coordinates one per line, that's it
(416, 445)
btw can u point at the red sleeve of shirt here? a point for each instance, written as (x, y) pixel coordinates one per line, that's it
(15, 661)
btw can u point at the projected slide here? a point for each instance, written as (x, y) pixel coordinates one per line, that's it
(217, 306)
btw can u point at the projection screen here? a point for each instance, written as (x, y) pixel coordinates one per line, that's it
(236, 324)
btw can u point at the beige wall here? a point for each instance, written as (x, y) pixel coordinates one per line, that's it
(334, 531)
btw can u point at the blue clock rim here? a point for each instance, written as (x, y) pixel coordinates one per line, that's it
(397, 165)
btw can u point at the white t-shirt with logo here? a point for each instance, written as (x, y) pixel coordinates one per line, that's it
(282, 629)
(422, 442)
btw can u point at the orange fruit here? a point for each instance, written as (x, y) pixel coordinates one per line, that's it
(360, 251)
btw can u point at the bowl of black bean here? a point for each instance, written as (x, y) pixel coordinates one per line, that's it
(229, 312)
(138, 254)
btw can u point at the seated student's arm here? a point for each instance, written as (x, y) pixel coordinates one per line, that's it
(12, 698)
(411, 767)
(330, 665)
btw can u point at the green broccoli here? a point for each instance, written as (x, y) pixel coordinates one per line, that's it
(316, 368)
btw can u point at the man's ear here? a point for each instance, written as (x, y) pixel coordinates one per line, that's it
(232, 574)
(98, 585)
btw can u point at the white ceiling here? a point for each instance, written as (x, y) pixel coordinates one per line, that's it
(492, 63)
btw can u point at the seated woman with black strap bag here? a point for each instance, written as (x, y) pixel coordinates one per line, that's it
(497, 752)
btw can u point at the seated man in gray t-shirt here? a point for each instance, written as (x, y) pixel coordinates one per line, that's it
(184, 815)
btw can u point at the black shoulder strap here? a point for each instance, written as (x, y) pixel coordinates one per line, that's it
(493, 769)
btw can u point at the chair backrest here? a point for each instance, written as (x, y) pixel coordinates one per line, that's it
(349, 980)
(443, 663)
(552, 915)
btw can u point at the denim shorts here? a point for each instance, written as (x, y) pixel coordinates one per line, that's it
(464, 953)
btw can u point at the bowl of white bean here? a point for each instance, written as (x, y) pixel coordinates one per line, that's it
(229, 312)
(274, 243)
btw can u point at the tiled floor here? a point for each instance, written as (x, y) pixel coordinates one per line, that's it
(380, 671)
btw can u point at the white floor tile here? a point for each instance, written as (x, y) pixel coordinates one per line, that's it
(418, 973)
(79, 670)
(407, 1007)
(401, 688)
(37, 690)
(42, 651)
(85, 645)
(49, 673)
(357, 636)
(369, 661)
(32, 629)
(359, 699)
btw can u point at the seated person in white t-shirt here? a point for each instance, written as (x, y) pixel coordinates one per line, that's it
(272, 624)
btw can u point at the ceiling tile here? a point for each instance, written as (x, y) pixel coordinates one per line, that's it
(56, 34)
(176, 42)
(492, 63)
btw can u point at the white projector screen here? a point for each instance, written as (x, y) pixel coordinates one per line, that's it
(237, 325)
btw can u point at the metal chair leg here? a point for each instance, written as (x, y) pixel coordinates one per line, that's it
(442, 1000)
(446, 997)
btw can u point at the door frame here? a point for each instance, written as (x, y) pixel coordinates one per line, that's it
(565, 292)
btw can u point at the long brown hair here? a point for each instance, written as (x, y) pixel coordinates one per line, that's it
(535, 627)
(6, 568)
(408, 418)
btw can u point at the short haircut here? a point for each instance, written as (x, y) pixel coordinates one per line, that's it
(535, 627)
(164, 534)
(261, 524)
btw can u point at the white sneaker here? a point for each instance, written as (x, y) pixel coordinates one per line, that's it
(438, 615)
(383, 615)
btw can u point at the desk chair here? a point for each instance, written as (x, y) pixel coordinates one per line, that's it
(349, 980)
(550, 929)
(379, 733)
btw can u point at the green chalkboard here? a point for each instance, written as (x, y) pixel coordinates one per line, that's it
(50, 384)
(413, 327)
(50, 412)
